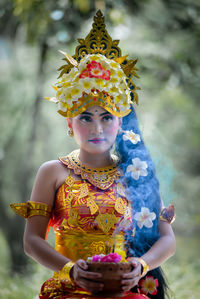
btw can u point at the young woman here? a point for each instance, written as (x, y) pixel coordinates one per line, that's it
(99, 202)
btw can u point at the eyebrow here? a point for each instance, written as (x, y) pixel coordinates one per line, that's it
(91, 114)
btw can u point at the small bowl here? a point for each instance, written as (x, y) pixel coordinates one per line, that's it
(111, 276)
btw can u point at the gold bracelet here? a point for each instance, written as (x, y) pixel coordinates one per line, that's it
(144, 265)
(64, 273)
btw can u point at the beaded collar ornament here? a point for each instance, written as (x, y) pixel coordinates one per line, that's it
(96, 75)
(102, 178)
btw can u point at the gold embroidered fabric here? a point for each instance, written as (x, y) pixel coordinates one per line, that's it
(31, 208)
(106, 221)
(85, 221)
(95, 204)
(102, 178)
(78, 244)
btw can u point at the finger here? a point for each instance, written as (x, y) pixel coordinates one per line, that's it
(91, 286)
(82, 264)
(134, 263)
(131, 275)
(129, 284)
(89, 275)
(134, 273)
(81, 273)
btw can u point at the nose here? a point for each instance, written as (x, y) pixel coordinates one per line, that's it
(97, 128)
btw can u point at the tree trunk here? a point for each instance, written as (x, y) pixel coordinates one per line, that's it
(13, 228)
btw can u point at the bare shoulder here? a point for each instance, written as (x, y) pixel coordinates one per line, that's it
(51, 166)
(50, 176)
(54, 172)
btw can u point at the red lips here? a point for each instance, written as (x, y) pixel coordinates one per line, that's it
(97, 140)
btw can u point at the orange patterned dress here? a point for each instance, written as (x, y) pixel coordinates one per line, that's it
(89, 217)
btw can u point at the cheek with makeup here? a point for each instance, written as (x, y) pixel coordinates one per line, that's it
(110, 131)
(81, 131)
(95, 130)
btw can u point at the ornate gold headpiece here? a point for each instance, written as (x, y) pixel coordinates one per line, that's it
(96, 75)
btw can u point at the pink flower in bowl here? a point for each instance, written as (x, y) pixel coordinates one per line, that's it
(109, 258)
(96, 258)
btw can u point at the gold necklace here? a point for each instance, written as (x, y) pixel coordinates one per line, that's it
(102, 178)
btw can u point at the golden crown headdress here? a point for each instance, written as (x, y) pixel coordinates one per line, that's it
(96, 75)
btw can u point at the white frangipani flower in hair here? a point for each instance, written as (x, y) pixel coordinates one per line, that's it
(131, 136)
(144, 218)
(137, 168)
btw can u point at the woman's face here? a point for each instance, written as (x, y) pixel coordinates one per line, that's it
(95, 130)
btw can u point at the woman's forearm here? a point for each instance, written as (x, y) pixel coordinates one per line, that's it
(163, 249)
(43, 253)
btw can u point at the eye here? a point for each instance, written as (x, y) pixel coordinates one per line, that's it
(85, 118)
(108, 117)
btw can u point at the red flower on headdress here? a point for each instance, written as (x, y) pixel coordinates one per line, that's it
(95, 70)
(148, 285)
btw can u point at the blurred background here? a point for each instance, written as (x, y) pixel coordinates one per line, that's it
(165, 37)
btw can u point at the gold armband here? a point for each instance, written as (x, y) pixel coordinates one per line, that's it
(64, 273)
(168, 214)
(31, 208)
(145, 266)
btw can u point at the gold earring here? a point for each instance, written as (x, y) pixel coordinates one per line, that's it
(70, 132)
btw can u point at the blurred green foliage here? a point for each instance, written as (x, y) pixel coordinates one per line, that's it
(165, 36)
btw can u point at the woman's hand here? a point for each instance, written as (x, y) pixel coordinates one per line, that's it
(86, 279)
(132, 278)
